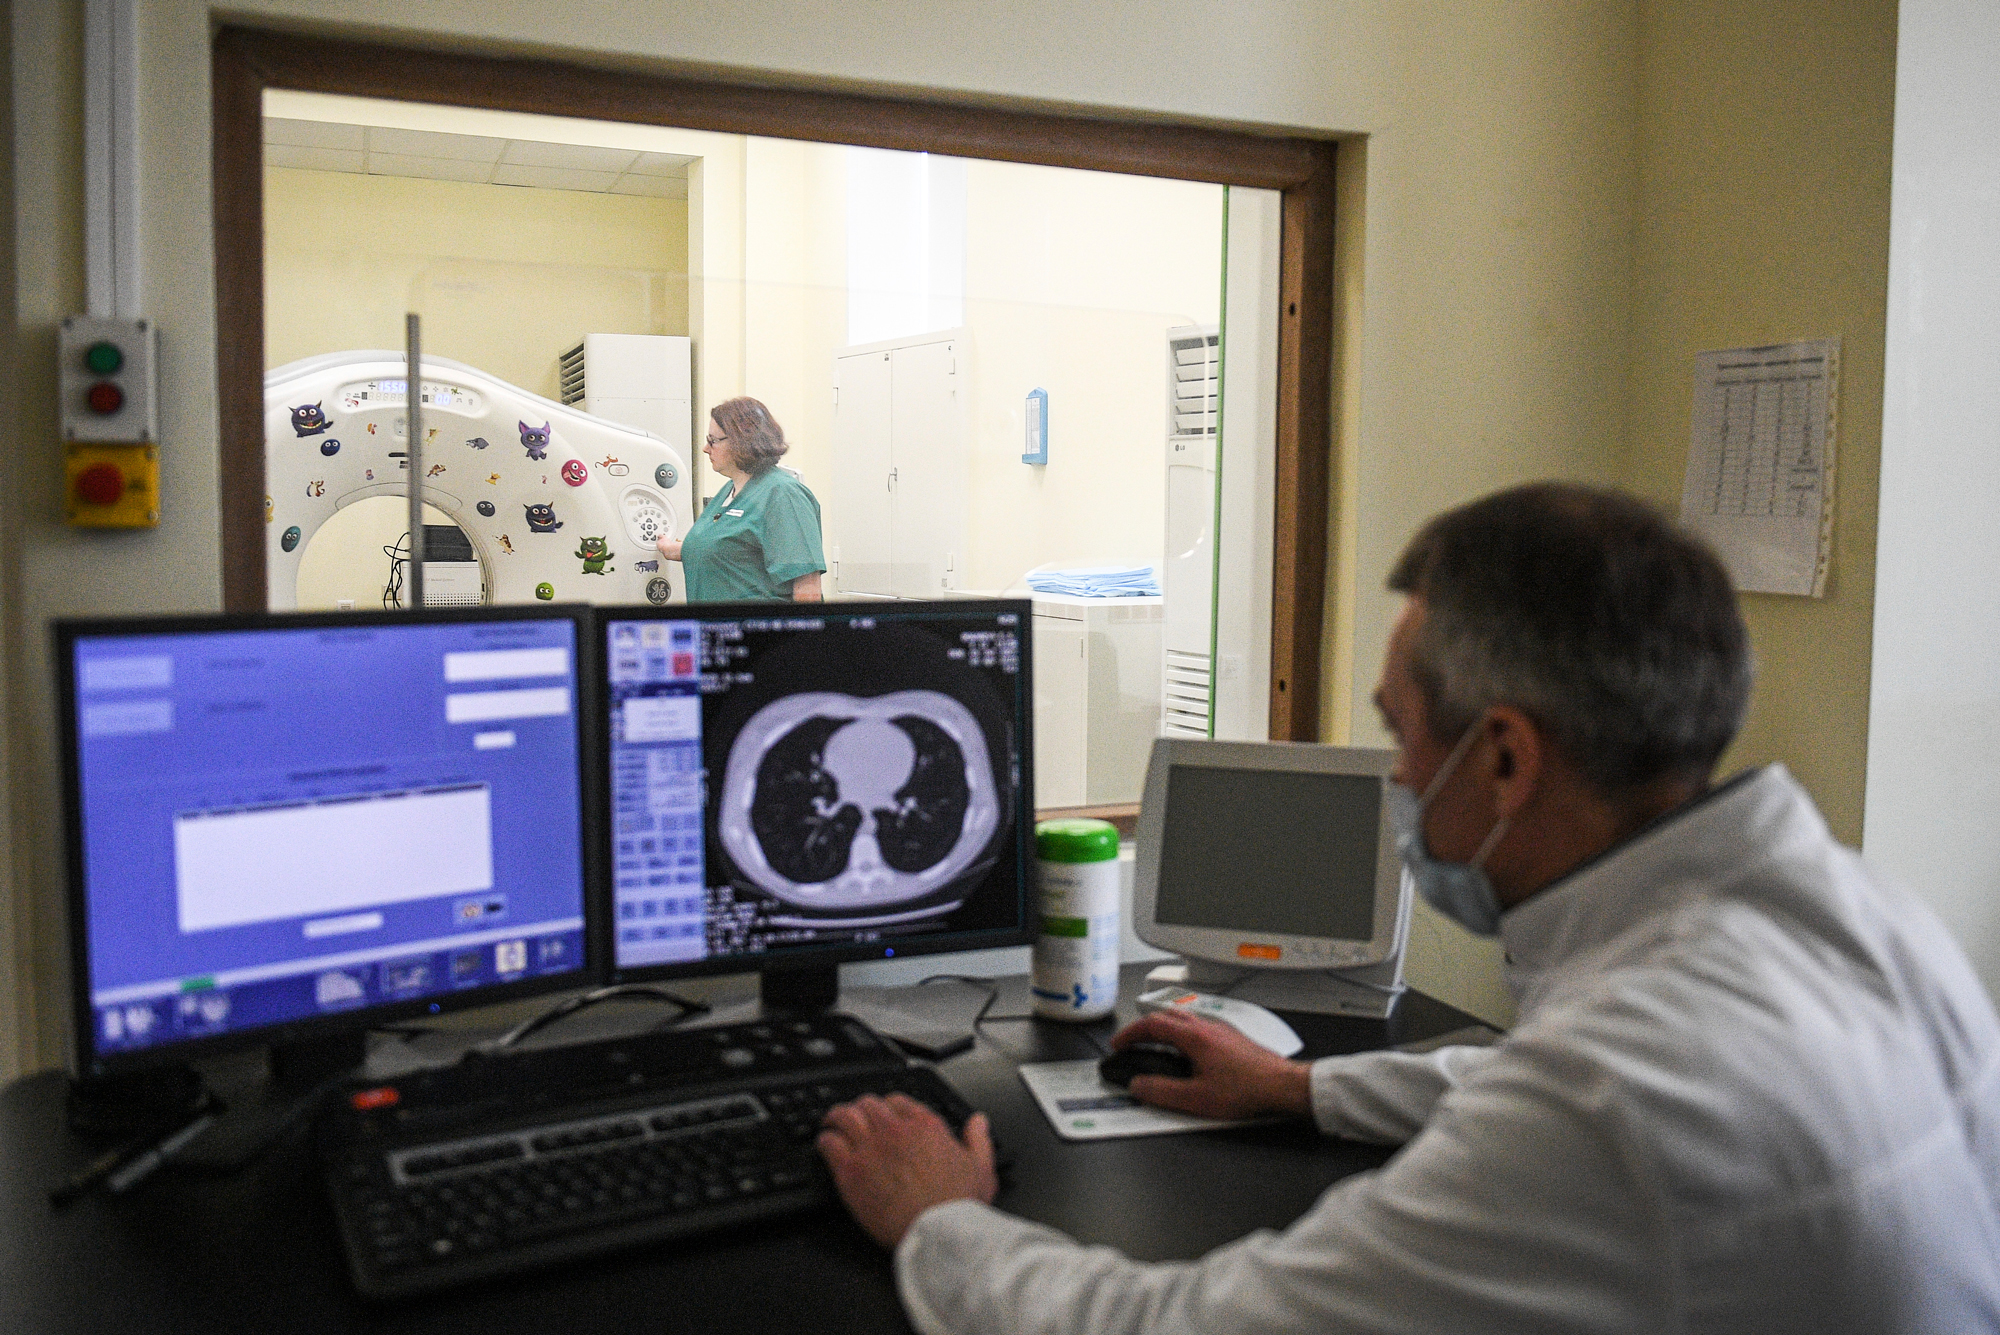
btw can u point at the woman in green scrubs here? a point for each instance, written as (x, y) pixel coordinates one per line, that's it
(758, 539)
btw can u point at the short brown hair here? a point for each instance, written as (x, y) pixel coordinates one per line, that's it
(1611, 626)
(755, 439)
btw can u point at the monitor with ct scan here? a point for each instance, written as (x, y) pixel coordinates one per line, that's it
(793, 786)
(1272, 868)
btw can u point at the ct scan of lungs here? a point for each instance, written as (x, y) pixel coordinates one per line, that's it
(863, 807)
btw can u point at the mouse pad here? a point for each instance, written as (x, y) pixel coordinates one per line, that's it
(1081, 1106)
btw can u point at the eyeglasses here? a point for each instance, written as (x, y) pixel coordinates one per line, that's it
(713, 439)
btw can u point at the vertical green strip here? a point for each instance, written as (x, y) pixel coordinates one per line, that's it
(1215, 523)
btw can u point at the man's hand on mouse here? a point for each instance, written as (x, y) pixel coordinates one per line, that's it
(1233, 1076)
(894, 1158)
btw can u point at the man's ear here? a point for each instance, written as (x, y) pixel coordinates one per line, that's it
(1513, 758)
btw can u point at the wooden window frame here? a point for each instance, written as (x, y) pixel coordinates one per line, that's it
(247, 61)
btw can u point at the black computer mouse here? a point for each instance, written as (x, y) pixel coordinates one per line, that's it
(1144, 1059)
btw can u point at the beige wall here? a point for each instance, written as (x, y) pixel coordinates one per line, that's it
(507, 279)
(1764, 217)
(1071, 281)
(1494, 269)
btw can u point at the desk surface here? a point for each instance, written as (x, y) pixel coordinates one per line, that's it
(258, 1252)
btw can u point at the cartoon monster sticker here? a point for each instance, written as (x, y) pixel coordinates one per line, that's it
(506, 544)
(368, 474)
(646, 565)
(542, 518)
(535, 439)
(317, 488)
(434, 470)
(595, 553)
(493, 479)
(666, 476)
(431, 435)
(329, 447)
(308, 420)
(371, 428)
(545, 591)
(486, 508)
(477, 442)
(267, 509)
(291, 538)
(574, 473)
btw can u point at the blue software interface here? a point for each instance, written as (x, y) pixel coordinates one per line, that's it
(284, 823)
(841, 779)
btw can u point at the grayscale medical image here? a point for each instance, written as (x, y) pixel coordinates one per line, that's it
(833, 802)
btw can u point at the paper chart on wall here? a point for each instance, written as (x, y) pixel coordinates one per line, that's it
(1760, 467)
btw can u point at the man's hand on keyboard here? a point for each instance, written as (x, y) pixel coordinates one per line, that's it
(894, 1158)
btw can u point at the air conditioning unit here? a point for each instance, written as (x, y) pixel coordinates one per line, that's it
(1187, 575)
(639, 380)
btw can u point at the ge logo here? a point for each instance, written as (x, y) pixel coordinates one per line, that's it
(658, 590)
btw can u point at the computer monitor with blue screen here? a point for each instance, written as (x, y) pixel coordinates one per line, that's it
(792, 787)
(283, 828)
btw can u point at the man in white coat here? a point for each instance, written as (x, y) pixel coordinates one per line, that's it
(1751, 1087)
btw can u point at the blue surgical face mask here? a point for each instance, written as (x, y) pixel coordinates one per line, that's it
(1459, 890)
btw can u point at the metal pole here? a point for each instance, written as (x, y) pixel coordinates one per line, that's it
(413, 413)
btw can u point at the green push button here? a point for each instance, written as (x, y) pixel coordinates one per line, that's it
(104, 358)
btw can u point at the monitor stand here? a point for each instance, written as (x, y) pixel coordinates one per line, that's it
(931, 1023)
(802, 991)
(1371, 991)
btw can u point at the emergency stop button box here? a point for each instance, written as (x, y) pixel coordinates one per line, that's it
(106, 377)
(112, 486)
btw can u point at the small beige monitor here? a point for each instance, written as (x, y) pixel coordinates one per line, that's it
(1272, 868)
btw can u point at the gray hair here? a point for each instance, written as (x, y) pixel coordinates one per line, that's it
(1612, 627)
(756, 441)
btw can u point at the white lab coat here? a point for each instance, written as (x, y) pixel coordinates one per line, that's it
(1751, 1089)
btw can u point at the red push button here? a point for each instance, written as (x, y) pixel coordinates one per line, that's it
(101, 484)
(106, 398)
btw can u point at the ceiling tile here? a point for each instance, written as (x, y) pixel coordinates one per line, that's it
(570, 157)
(311, 134)
(659, 187)
(313, 159)
(434, 169)
(428, 144)
(554, 178)
(661, 164)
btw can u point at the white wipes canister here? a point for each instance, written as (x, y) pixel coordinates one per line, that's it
(1075, 973)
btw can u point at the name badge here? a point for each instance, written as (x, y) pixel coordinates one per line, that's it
(736, 513)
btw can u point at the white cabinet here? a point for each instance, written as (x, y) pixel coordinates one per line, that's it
(896, 519)
(1097, 698)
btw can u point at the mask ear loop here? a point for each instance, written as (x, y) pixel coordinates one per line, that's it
(1450, 762)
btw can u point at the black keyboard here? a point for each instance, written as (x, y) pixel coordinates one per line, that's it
(505, 1163)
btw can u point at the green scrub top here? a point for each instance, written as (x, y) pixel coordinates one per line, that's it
(754, 545)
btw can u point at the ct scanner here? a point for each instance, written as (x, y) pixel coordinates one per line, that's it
(559, 504)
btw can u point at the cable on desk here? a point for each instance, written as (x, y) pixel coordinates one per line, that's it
(295, 1117)
(986, 985)
(570, 1006)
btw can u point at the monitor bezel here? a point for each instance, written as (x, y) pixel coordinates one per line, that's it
(822, 957)
(86, 1059)
(1227, 947)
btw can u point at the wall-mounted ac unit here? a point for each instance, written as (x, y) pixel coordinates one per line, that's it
(641, 380)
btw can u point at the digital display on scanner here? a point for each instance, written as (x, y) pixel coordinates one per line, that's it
(1270, 851)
